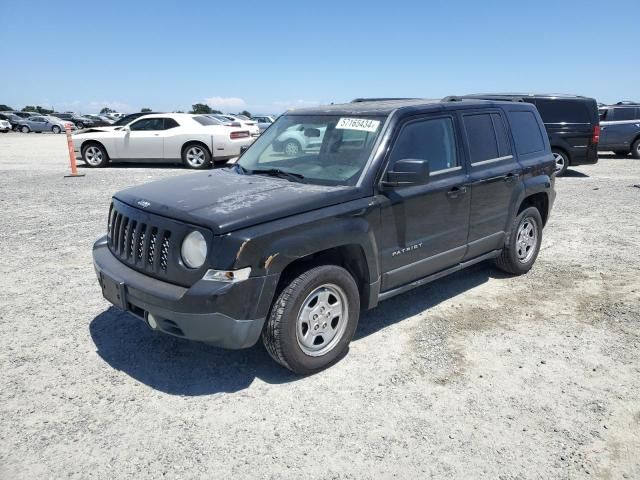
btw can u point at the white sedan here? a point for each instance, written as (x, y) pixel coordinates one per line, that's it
(195, 140)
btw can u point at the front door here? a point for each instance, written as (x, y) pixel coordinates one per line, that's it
(424, 227)
(143, 140)
(494, 175)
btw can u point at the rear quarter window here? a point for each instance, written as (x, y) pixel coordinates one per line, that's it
(563, 111)
(526, 132)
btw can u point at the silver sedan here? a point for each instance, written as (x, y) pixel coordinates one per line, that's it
(43, 123)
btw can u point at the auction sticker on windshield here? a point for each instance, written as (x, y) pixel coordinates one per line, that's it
(362, 124)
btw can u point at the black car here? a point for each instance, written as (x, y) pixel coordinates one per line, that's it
(572, 122)
(292, 248)
(78, 120)
(12, 118)
(127, 119)
(620, 128)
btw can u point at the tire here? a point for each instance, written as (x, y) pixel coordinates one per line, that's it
(291, 148)
(635, 149)
(290, 335)
(621, 153)
(562, 162)
(25, 129)
(519, 254)
(56, 129)
(196, 156)
(80, 125)
(94, 155)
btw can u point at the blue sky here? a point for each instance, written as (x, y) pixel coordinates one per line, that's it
(270, 55)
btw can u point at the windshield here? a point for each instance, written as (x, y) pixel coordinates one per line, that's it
(126, 120)
(323, 149)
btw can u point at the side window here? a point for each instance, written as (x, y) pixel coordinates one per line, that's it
(504, 145)
(147, 124)
(432, 140)
(563, 111)
(624, 113)
(170, 123)
(481, 136)
(526, 132)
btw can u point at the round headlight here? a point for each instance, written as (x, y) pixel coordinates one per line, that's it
(194, 250)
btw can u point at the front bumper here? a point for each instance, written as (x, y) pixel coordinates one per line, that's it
(227, 315)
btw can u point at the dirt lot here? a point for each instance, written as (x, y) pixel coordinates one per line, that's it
(479, 375)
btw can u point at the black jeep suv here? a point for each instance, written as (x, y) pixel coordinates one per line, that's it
(571, 121)
(291, 248)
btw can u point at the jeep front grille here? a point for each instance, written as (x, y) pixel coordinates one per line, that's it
(139, 244)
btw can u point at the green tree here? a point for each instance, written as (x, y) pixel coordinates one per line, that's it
(200, 108)
(106, 110)
(145, 109)
(38, 108)
(245, 113)
(5, 108)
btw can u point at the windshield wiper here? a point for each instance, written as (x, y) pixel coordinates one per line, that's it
(276, 172)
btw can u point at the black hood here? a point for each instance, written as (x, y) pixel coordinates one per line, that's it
(223, 200)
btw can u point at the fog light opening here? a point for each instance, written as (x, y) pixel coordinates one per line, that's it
(152, 321)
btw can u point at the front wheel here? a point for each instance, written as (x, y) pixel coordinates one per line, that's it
(94, 155)
(635, 150)
(313, 320)
(196, 156)
(292, 148)
(562, 162)
(80, 125)
(522, 248)
(55, 129)
(25, 129)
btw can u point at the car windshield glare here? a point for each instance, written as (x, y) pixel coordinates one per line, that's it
(324, 149)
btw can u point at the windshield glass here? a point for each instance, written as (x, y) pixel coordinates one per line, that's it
(324, 149)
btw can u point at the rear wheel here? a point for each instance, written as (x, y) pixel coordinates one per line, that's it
(562, 162)
(292, 148)
(25, 129)
(313, 320)
(635, 150)
(523, 245)
(94, 155)
(80, 125)
(196, 156)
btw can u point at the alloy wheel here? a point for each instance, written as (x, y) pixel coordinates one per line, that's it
(93, 156)
(322, 320)
(196, 156)
(560, 161)
(526, 239)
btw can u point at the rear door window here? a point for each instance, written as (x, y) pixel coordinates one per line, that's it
(624, 113)
(481, 137)
(563, 111)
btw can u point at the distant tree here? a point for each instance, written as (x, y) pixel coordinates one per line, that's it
(245, 113)
(200, 108)
(145, 109)
(216, 112)
(106, 110)
(5, 108)
(38, 108)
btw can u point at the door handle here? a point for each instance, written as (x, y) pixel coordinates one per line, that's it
(455, 192)
(156, 134)
(511, 177)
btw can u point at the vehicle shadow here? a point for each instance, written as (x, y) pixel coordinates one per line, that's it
(575, 174)
(181, 367)
(155, 166)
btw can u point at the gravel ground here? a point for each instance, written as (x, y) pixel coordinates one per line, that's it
(478, 375)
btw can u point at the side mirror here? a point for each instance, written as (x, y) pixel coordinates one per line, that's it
(407, 172)
(312, 132)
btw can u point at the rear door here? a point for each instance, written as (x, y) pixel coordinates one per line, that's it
(493, 175)
(425, 226)
(569, 122)
(620, 127)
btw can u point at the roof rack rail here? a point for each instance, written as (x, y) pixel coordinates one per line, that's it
(452, 98)
(381, 99)
(627, 102)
